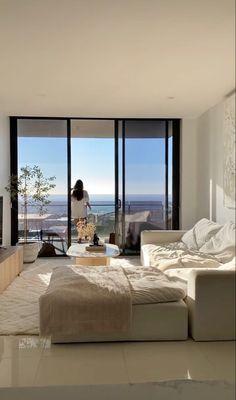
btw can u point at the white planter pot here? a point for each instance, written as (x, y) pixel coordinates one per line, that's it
(30, 252)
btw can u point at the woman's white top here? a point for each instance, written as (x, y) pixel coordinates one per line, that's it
(79, 207)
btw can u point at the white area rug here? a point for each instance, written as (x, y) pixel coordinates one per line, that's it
(19, 303)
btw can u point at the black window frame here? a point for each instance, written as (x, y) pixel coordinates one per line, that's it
(176, 129)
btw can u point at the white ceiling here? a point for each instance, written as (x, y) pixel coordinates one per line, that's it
(115, 58)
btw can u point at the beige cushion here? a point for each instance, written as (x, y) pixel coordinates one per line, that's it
(202, 232)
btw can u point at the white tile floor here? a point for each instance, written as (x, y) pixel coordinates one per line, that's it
(30, 361)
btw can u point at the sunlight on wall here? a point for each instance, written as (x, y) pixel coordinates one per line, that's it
(211, 201)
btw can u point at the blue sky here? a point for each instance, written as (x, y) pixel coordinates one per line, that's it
(93, 161)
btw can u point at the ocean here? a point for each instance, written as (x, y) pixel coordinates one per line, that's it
(111, 197)
(101, 204)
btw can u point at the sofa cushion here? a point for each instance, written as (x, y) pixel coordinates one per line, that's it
(182, 274)
(201, 233)
(222, 244)
(229, 266)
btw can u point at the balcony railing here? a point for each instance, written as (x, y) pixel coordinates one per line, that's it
(52, 227)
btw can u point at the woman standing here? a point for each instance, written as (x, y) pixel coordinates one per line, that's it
(79, 203)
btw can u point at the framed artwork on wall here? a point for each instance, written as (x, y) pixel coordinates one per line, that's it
(229, 139)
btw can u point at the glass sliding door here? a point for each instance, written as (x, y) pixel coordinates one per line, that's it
(147, 179)
(130, 169)
(43, 142)
(93, 161)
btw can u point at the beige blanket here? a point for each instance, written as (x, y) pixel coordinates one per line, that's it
(82, 301)
(148, 285)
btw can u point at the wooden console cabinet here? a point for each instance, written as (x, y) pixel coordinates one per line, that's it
(11, 264)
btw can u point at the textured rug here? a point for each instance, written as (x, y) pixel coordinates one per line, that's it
(19, 303)
(167, 390)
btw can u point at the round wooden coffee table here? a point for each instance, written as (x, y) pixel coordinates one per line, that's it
(88, 258)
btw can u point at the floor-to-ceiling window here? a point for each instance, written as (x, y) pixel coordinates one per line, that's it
(130, 169)
(92, 161)
(43, 143)
(147, 178)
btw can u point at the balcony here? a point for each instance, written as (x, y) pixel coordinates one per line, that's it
(52, 227)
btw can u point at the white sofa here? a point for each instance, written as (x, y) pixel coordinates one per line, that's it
(210, 291)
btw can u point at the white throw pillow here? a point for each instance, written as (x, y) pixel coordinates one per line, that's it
(189, 239)
(222, 243)
(201, 233)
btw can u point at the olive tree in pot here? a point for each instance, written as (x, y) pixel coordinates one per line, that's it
(32, 189)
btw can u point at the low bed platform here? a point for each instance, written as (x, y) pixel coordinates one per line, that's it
(116, 304)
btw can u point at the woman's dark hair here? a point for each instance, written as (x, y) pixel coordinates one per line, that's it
(78, 190)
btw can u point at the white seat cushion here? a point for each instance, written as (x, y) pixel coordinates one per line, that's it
(229, 266)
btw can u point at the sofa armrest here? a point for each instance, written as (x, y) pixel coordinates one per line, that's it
(211, 304)
(160, 236)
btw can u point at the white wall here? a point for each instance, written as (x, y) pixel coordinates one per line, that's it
(210, 157)
(4, 174)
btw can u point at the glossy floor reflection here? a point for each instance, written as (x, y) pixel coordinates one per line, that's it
(29, 361)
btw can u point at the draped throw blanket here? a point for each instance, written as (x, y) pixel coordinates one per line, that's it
(148, 285)
(84, 300)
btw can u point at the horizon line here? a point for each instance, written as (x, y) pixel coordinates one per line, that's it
(109, 194)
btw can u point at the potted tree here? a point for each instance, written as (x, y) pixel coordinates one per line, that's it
(32, 189)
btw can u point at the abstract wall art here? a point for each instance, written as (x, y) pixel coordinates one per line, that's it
(229, 139)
